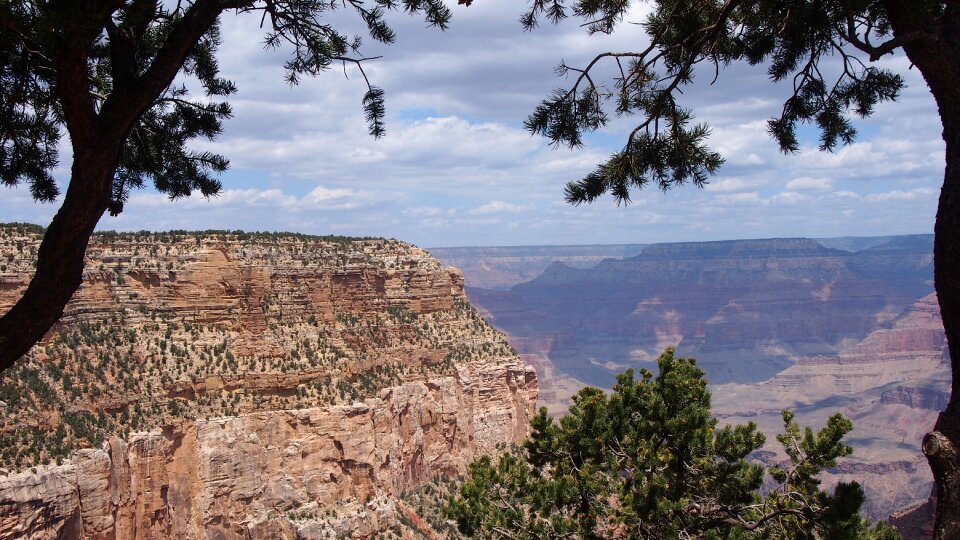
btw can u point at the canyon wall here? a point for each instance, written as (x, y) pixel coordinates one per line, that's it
(746, 309)
(227, 385)
(892, 385)
(500, 267)
(776, 323)
(286, 473)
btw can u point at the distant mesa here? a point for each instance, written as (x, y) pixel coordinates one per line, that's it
(847, 324)
(747, 308)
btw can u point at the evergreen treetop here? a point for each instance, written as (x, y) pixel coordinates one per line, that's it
(649, 461)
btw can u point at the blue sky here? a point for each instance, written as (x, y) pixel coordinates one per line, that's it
(456, 167)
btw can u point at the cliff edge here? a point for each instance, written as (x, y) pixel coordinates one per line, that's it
(234, 385)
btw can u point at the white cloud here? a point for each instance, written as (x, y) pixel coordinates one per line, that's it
(753, 159)
(500, 207)
(457, 168)
(730, 185)
(423, 211)
(790, 197)
(896, 195)
(751, 197)
(321, 196)
(251, 197)
(807, 183)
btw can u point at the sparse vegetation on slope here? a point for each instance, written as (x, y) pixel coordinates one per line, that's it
(178, 325)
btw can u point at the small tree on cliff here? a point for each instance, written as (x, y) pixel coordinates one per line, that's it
(103, 71)
(649, 462)
(792, 38)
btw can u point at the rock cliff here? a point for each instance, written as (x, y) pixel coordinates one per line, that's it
(228, 385)
(892, 385)
(746, 309)
(777, 324)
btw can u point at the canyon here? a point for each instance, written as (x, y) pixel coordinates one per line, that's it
(746, 309)
(224, 384)
(845, 325)
(234, 385)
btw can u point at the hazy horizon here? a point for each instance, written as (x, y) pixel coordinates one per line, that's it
(502, 246)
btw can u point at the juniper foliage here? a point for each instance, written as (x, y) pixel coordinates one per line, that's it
(649, 461)
(824, 51)
(688, 40)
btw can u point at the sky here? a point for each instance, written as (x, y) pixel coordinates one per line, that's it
(457, 168)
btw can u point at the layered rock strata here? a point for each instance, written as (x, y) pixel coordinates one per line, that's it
(274, 473)
(746, 309)
(227, 385)
(777, 324)
(892, 385)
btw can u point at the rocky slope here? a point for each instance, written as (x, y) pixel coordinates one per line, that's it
(228, 385)
(779, 323)
(892, 385)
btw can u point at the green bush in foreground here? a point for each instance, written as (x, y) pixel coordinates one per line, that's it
(648, 461)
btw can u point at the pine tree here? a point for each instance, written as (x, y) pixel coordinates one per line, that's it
(648, 461)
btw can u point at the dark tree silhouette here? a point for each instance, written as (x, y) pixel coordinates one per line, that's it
(648, 461)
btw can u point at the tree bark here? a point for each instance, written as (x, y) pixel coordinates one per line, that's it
(938, 60)
(942, 447)
(59, 270)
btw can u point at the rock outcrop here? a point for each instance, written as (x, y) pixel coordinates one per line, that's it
(225, 385)
(892, 385)
(912, 348)
(264, 474)
(917, 521)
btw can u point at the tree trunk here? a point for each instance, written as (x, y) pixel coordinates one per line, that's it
(59, 270)
(937, 56)
(97, 142)
(942, 447)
